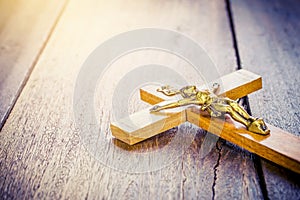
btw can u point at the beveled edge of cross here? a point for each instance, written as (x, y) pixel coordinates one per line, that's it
(235, 85)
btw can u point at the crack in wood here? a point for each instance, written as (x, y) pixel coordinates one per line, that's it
(183, 180)
(233, 34)
(219, 148)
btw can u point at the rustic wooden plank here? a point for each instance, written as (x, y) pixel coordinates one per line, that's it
(25, 26)
(41, 151)
(267, 37)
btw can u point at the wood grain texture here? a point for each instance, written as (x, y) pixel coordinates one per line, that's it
(25, 26)
(268, 37)
(41, 151)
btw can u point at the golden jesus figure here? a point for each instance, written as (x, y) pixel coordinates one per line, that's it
(215, 106)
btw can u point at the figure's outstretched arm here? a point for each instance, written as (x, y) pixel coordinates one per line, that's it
(186, 92)
(179, 103)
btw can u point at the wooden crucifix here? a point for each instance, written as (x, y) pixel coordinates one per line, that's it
(279, 146)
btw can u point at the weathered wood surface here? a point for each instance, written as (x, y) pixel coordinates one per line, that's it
(41, 152)
(268, 41)
(25, 26)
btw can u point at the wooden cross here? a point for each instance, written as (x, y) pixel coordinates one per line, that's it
(279, 146)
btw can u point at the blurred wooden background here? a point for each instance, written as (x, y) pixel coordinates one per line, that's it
(42, 47)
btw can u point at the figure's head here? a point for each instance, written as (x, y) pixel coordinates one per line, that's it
(188, 91)
(203, 96)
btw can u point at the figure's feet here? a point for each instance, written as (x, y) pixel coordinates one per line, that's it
(259, 126)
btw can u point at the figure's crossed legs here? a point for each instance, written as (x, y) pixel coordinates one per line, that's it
(238, 113)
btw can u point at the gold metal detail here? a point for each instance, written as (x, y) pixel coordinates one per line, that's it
(215, 106)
